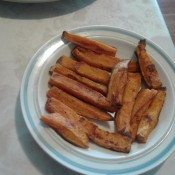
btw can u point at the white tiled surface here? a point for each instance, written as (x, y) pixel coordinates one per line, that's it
(23, 29)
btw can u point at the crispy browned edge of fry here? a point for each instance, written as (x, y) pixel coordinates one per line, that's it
(77, 105)
(81, 91)
(99, 136)
(142, 102)
(150, 117)
(117, 83)
(147, 66)
(93, 73)
(73, 75)
(67, 128)
(123, 116)
(89, 43)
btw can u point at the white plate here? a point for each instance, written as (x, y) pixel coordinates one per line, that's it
(97, 160)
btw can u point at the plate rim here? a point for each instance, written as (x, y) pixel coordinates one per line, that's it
(75, 31)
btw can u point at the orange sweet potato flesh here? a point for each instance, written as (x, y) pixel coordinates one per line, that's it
(67, 128)
(77, 105)
(81, 91)
(117, 83)
(93, 73)
(73, 75)
(123, 116)
(147, 66)
(106, 139)
(142, 102)
(150, 117)
(89, 44)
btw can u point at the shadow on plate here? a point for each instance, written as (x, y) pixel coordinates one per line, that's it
(45, 164)
(14, 10)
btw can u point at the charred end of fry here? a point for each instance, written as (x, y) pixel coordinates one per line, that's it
(124, 132)
(64, 34)
(142, 42)
(141, 139)
(52, 68)
(60, 59)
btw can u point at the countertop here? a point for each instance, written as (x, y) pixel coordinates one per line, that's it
(24, 28)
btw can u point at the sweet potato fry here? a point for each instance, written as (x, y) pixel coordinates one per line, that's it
(69, 113)
(80, 107)
(81, 91)
(123, 117)
(117, 83)
(95, 74)
(73, 75)
(113, 141)
(94, 59)
(67, 128)
(89, 44)
(142, 102)
(150, 117)
(147, 66)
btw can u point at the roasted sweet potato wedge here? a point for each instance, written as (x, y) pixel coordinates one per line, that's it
(150, 118)
(123, 116)
(73, 75)
(113, 141)
(117, 83)
(147, 66)
(142, 102)
(69, 113)
(89, 44)
(77, 105)
(81, 91)
(93, 73)
(106, 139)
(102, 61)
(67, 128)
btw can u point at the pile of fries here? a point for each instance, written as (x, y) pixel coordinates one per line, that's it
(96, 84)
